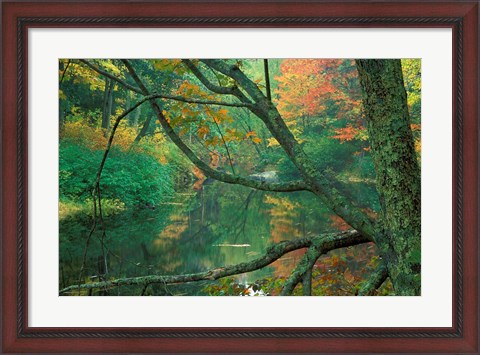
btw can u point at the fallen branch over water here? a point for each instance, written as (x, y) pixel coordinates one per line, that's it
(325, 242)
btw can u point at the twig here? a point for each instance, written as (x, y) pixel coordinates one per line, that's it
(223, 140)
(65, 70)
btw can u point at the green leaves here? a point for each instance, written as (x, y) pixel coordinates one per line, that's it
(133, 178)
(169, 66)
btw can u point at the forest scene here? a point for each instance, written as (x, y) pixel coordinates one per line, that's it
(239, 177)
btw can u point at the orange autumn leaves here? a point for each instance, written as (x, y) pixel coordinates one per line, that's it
(305, 85)
(211, 124)
(321, 93)
(308, 88)
(349, 133)
(95, 139)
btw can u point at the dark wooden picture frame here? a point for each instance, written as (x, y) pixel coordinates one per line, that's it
(18, 17)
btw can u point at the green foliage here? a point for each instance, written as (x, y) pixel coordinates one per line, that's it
(330, 153)
(411, 69)
(132, 178)
(363, 165)
(203, 225)
(83, 209)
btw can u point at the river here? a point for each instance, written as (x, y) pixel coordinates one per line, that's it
(193, 231)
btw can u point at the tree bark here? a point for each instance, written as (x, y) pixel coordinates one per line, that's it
(304, 267)
(397, 170)
(307, 283)
(376, 280)
(326, 243)
(267, 80)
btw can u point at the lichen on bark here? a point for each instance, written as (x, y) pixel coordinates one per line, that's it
(397, 171)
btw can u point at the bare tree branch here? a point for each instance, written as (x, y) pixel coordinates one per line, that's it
(224, 143)
(96, 188)
(326, 242)
(65, 70)
(114, 128)
(202, 102)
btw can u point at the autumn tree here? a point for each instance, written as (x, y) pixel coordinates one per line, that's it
(198, 105)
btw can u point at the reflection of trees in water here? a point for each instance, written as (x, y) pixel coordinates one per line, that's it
(284, 214)
(180, 235)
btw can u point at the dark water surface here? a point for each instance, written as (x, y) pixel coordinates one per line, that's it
(195, 231)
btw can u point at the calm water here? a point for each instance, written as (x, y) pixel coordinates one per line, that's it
(194, 231)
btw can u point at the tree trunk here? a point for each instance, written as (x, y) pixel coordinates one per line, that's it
(134, 116)
(110, 103)
(107, 105)
(104, 102)
(267, 80)
(397, 170)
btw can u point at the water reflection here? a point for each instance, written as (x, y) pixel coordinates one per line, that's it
(194, 231)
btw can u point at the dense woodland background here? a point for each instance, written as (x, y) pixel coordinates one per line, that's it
(282, 141)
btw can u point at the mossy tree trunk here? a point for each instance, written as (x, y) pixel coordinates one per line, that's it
(397, 170)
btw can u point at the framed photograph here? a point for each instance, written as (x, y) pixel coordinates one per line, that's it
(317, 160)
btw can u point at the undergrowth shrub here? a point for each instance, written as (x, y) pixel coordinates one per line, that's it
(133, 176)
